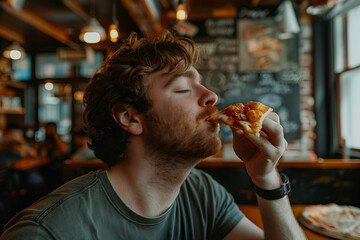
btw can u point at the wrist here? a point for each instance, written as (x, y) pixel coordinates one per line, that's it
(277, 193)
(269, 181)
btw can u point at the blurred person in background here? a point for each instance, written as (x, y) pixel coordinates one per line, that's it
(52, 147)
(55, 150)
(13, 145)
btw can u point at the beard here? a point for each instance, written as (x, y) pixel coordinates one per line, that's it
(179, 139)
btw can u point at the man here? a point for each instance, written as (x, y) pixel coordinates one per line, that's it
(145, 112)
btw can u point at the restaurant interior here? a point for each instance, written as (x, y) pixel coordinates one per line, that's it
(300, 57)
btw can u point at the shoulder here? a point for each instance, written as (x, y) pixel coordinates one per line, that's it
(58, 206)
(26, 230)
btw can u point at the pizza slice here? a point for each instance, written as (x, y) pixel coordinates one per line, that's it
(248, 117)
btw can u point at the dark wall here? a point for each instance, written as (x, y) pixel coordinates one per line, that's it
(309, 185)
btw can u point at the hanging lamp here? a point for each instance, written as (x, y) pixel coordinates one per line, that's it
(93, 32)
(14, 51)
(181, 13)
(289, 25)
(113, 28)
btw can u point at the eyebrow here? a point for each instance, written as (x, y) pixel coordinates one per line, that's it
(188, 74)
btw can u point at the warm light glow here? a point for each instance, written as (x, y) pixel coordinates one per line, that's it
(114, 33)
(92, 37)
(14, 51)
(78, 96)
(15, 54)
(93, 32)
(181, 13)
(49, 86)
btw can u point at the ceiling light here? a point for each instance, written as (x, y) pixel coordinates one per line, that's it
(49, 86)
(113, 28)
(92, 33)
(181, 13)
(113, 33)
(16, 4)
(289, 25)
(14, 51)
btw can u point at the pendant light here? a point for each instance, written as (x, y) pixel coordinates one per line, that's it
(289, 25)
(14, 51)
(113, 28)
(93, 32)
(181, 13)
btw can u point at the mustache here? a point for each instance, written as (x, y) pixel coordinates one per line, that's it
(207, 112)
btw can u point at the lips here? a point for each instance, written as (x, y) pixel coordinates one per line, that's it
(208, 111)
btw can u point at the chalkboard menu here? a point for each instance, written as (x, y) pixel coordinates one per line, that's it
(219, 64)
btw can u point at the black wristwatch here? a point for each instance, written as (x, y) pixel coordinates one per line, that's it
(278, 193)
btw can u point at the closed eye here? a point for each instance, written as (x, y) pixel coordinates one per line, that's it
(183, 91)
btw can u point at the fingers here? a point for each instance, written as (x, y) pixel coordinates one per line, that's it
(273, 116)
(271, 132)
(272, 135)
(274, 131)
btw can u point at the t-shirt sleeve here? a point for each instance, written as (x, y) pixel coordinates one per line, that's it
(227, 213)
(26, 230)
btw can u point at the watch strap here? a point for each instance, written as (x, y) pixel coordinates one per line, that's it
(278, 193)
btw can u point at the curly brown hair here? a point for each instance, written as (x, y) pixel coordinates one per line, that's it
(120, 82)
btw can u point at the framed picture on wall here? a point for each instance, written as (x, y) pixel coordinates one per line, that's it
(260, 49)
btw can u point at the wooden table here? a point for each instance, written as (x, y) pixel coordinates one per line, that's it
(253, 213)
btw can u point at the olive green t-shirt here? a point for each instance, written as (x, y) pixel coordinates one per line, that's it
(88, 208)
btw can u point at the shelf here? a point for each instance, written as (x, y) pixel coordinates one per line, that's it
(13, 84)
(19, 111)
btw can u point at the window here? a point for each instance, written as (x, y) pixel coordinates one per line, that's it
(339, 36)
(55, 106)
(346, 61)
(353, 37)
(337, 81)
(48, 66)
(349, 108)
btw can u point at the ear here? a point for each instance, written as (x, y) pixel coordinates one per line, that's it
(128, 119)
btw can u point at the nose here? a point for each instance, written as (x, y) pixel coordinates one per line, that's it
(209, 98)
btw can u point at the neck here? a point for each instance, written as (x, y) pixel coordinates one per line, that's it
(148, 186)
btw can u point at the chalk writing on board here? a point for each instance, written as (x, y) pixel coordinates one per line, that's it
(253, 13)
(288, 76)
(215, 81)
(220, 27)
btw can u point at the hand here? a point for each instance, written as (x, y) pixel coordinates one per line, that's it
(261, 153)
